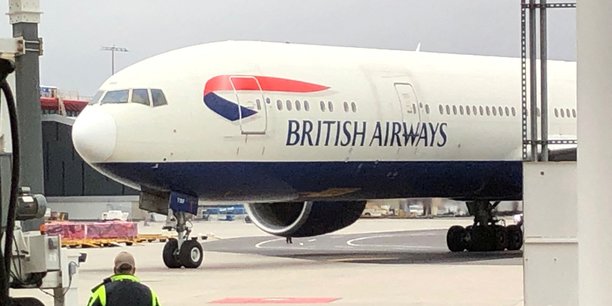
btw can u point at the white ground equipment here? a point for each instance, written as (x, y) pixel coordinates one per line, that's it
(39, 262)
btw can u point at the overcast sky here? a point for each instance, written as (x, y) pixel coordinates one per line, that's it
(75, 30)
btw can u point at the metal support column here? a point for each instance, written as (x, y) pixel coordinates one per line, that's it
(543, 81)
(550, 265)
(530, 104)
(533, 81)
(25, 16)
(594, 25)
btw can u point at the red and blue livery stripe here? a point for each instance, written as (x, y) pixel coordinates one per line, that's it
(231, 110)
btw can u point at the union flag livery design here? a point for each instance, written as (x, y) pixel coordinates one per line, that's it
(231, 110)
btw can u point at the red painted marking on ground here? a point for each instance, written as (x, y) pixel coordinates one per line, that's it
(283, 300)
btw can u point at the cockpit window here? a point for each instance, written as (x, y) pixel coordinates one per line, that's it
(158, 97)
(115, 96)
(140, 96)
(96, 98)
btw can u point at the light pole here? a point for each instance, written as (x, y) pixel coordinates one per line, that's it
(112, 49)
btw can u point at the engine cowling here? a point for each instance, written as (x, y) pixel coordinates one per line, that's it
(304, 219)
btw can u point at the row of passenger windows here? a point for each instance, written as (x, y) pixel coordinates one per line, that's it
(444, 109)
(565, 113)
(477, 110)
(497, 111)
(561, 112)
(145, 96)
(298, 105)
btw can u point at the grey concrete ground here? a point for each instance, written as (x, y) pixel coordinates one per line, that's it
(226, 274)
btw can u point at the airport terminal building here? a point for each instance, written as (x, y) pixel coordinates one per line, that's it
(71, 185)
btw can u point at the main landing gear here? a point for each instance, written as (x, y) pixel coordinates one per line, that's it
(181, 252)
(485, 234)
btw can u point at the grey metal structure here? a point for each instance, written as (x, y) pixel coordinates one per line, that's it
(24, 18)
(544, 80)
(532, 144)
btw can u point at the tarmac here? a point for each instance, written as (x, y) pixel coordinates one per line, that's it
(373, 262)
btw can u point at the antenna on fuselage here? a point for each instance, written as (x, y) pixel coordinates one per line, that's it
(418, 48)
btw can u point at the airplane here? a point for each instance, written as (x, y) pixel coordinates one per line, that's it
(306, 134)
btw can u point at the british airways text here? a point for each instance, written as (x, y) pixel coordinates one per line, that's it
(362, 133)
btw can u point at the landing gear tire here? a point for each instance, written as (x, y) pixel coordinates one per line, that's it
(455, 238)
(515, 237)
(480, 239)
(501, 238)
(191, 254)
(169, 254)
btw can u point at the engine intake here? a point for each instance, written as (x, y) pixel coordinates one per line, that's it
(304, 219)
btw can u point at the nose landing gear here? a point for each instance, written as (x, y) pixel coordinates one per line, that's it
(485, 234)
(183, 251)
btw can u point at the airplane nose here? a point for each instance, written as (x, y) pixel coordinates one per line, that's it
(94, 135)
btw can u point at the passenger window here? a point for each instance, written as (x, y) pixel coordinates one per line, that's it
(346, 108)
(513, 112)
(297, 105)
(427, 108)
(461, 109)
(507, 112)
(448, 110)
(258, 102)
(454, 109)
(556, 113)
(467, 110)
(306, 106)
(562, 113)
(567, 112)
(158, 97)
(501, 111)
(488, 111)
(322, 106)
(267, 100)
(330, 106)
(353, 107)
(96, 98)
(140, 96)
(279, 105)
(494, 110)
(475, 110)
(288, 105)
(574, 113)
(115, 96)
(441, 109)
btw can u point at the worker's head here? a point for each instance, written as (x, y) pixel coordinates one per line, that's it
(124, 263)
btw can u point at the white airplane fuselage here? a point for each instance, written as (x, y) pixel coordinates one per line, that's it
(273, 122)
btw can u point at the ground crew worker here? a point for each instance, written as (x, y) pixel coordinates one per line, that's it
(123, 288)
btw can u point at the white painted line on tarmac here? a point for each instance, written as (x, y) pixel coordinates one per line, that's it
(353, 243)
(299, 245)
(260, 245)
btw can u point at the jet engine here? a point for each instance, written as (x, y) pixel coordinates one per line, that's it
(304, 219)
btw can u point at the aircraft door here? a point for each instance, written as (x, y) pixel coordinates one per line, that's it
(410, 115)
(411, 111)
(252, 109)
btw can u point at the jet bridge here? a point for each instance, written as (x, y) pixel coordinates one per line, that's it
(550, 262)
(567, 245)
